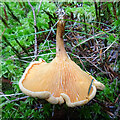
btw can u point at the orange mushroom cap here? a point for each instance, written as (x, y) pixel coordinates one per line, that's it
(61, 80)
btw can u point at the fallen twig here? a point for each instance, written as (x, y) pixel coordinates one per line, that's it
(19, 98)
(32, 56)
(39, 6)
(49, 34)
(3, 95)
(4, 103)
(90, 62)
(116, 111)
(105, 50)
(35, 45)
(90, 38)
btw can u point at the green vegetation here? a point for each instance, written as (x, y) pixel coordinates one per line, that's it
(98, 55)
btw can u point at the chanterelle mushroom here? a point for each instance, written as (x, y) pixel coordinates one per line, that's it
(61, 80)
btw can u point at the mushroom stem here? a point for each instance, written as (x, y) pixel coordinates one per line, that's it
(60, 50)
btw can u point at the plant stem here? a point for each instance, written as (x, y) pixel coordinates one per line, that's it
(14, 50)
(23, 48)
(114, 11)
(11, 13)
(4, 22)
(96, 12)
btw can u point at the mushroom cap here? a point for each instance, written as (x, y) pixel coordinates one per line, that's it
(59, 81)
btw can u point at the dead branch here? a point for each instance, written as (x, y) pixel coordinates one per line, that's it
(39, 6)
(4, 96)
(35, 45)
(105, 50)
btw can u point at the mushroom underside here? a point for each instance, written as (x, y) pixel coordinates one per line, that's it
(58, 81)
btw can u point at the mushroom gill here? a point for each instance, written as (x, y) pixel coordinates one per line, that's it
(61, 80)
